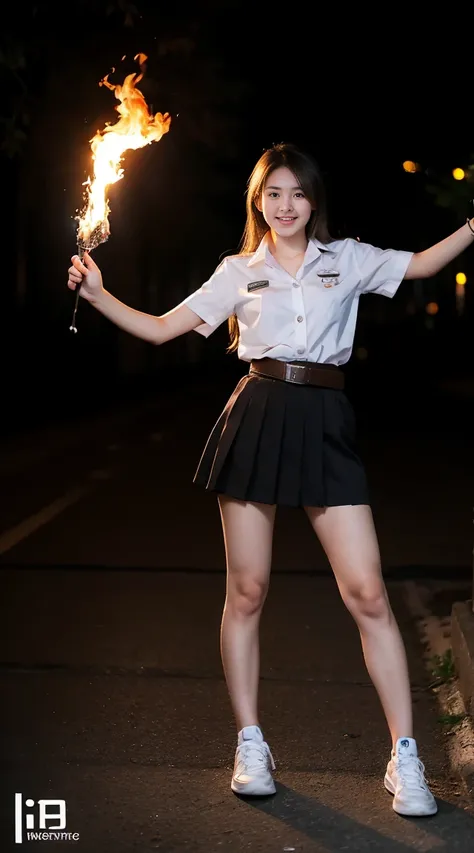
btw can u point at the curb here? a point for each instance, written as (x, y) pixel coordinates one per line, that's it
(460, 740)
(462, 636)
(456, 696)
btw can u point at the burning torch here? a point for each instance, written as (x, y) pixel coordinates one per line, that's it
(135, 128)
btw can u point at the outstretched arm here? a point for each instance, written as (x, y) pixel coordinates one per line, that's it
(155, 330)
(430, 261)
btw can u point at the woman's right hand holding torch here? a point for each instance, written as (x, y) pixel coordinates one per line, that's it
(86, 275)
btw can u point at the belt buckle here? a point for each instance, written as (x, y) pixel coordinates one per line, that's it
(291, 372)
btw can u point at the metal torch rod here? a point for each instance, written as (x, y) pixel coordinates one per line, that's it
(73, 327)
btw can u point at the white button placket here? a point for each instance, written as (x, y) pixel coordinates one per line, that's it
(300, 318)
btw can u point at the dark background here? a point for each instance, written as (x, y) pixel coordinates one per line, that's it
(361, 91)
(113, 563)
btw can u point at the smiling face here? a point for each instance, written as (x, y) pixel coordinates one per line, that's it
(285, 208)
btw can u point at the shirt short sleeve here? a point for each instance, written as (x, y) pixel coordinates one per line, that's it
(382, 270)
(215, 300)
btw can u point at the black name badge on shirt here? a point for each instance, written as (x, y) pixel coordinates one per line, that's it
(256, 285)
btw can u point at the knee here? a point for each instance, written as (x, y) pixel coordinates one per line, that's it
(368, 601)
(246, 596)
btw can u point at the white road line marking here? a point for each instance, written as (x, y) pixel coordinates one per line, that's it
(25, 528)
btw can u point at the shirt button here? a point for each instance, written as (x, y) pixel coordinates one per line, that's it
(300, 318)
(300, 350)
(295, 284)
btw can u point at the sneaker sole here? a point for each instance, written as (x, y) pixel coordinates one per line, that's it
(406, 812)
(389, 784)
(256, 788)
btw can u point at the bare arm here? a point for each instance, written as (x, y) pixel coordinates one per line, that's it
(432, 260)
(155, 330)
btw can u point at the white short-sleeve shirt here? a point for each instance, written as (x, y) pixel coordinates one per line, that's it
(307, 317)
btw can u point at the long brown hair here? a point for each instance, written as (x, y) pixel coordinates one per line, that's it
(308, 174)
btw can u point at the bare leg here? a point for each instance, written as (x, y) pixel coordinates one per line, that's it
(348, 536)
(248, 537)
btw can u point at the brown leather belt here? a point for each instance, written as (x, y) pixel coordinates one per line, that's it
(301, 373)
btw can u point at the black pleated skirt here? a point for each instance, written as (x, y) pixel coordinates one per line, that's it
(281, 443)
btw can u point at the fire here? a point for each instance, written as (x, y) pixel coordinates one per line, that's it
(135, 128)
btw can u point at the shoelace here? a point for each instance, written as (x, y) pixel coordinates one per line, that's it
(411, 773)
(253, 756)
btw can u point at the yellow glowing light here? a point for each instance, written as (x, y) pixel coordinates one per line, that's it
(432, 308)
(410, 166)
(460, 278)
(459, 174)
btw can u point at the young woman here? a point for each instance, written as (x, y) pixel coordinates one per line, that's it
(286, 435)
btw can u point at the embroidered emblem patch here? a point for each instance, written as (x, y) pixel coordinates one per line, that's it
(329, 277)
(256, 285)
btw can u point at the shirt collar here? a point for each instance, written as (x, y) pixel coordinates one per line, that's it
(313, 250)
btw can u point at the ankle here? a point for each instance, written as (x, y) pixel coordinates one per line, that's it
(246, 725)
(398, 738)
(243, 722)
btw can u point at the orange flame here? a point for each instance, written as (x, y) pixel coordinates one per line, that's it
(135, 128)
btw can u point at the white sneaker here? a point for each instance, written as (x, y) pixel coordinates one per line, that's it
(405, 779)
(253, 764)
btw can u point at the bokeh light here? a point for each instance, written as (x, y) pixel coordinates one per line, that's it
(459, 174)
(410, 166)
(432, 308)
(460, 278)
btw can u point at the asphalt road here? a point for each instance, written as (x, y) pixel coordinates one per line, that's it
(113, 576)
